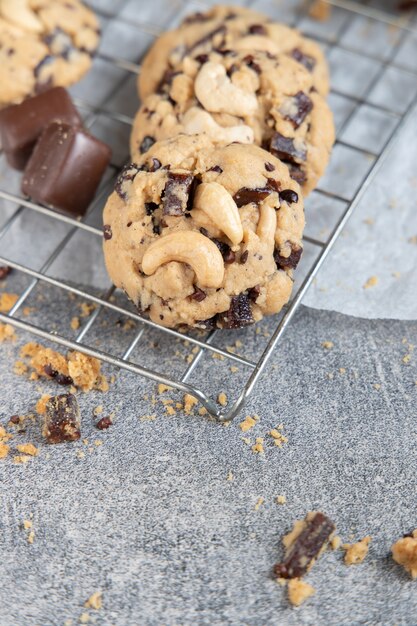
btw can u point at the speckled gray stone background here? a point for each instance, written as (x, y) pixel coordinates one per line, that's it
(149, 517)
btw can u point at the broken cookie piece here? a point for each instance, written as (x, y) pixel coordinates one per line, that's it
(356, 552)
(62, 419)
(404, 552)
(299, 591)
(304, 544)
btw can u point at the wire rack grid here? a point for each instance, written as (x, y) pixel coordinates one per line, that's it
(357, 100)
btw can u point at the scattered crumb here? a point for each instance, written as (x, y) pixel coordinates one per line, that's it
(75, 323)
(4, 435)
(234, 369)
(85, 372)
(4, 450)
(162, 388)
(7, 333)
(87, 308)
(342, 370)
(259, 503)
(328, 345)
(377, 386)
(371, 282)
(94, 601)
(279, 438)
(299, 591)
(84, 618)
(31, 537)
(335, 542)
(248, 423)
(40, 406)
(222, 399)
(80, 454)
(248, 441)
(21, 459)
(28, 448)
(404, 552)
(220, 357)
(98, 410)
(369, 220)
(147, 418)
(201, 411)
(7, 300)
(97, 442)
(230, 475)
(189, 403)
(20, 368)
(170, 410)
(258, 447)
(281, 499)
(27, 524)
(407, 358)
(356, 552)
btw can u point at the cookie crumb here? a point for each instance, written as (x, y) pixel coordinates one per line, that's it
(84, 618)
(356, 552)
(40, 406)
(201, 411)
(281, 499)
(230, 476)
(327, 345)
(258, 447)
(7, 301)
(4, 450)
(335, 543)
(27, 524)
(28, 448)
(371, 282)
(170, 410)
(404, 552)
(299, 591)
(163, 388)
(279, 438)
(87, 308)
(7, 333)
(95, 601)
(189, 403)
(248, 423)
(259, 503)
(75, 323)
(31, 537)
(21, 459)
(222, 399)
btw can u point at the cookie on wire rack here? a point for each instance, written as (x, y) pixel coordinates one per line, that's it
(231, 96)
(204, 236)
(44, 43)
(229, 27)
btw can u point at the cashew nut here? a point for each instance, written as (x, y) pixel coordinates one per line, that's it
(19, 12)
(219, 205)
(196, 121)
(266, 225)
(218, 94)
(258, 43)
(187, 247)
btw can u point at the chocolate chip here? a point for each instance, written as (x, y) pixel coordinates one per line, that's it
(150, 207)
(244, 257)
(49, 371)
(62, 419)
(176, 193)
(199, 295)
(250, 62)
(306, 547)
(245, 195)
(254, 292)
(107, 233)
(284, 148)
(269, 167)
(300, 107)
(216, 168)
(288, 195)
(127, 174)
(306, 60)
(257, 29)
(15, 419)
(239, 313)
(227, 254)
(202, 58)
(62, 379)
(221, 30)
(104, 423)
(232, 69)
(146, 143)
(4, 271)
(291, 261)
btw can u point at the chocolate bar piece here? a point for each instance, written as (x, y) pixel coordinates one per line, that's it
(62, 419)
(304, 544)
(65, 168)
(22, 124)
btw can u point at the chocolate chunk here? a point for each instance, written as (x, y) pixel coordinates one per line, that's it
(62, 419)
(299, 107)
(61, 379)
(202, 58)
(176, 193)
(199, 295)
(297, 173)
(269, 167)
(4, 271)
(249, 60)
(244, 257)
(257, 29)
(216, 168)
(288, 195)
(301, 553)
(245, 195)
(104, 423)
(147, 142)
(289, 262)
(155, 164)
(284, 148)
(254, 292)
(22, 124)
(305, 59)
(15, 419)
(239, 313)
(65, 168)
(127, 174)
(227, 254)
(150, 207)
(107, 233)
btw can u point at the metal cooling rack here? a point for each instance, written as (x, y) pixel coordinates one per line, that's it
(334, 37)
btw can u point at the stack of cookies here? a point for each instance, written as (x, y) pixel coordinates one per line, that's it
(204, 228)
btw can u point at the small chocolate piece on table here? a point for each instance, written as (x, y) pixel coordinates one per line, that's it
(304, 544)
(65, 168)
(62, 419)
(22, 124)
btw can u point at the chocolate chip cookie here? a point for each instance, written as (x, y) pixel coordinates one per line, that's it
(248, 98)
(223, 28)
(204, 236)
(43, 43)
